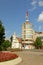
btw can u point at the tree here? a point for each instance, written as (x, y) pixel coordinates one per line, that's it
(38, 43)
(2, 34)
(11, 38)
(6, 44)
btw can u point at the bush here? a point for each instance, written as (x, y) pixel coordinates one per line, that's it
(0, 48)
(6, 44)
(38, 43)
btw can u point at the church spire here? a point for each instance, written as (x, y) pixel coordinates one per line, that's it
(27, 16)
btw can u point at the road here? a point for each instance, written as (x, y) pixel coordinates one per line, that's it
(30, 57)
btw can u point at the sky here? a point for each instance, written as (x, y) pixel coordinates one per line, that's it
(13, 15)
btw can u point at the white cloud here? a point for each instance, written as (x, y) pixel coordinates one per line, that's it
(40, 18)
(40, 3)
(33, 3)
(32, 9)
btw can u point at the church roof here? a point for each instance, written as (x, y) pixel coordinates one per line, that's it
(19, 39)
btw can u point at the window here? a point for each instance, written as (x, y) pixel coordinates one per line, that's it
(28, 36)
(28, 26)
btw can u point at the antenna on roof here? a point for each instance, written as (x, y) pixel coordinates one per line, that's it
(27, 16)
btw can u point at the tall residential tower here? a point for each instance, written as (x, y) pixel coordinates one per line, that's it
(27, 33)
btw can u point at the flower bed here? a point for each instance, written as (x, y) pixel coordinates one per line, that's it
(5, 56)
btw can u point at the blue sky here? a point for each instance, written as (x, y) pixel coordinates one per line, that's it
(13, 15)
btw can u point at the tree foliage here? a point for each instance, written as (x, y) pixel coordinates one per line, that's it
(6, 44)
(11, 38)
(2, 33)
(38, 42)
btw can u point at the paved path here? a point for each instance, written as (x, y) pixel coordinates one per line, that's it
(30, 57)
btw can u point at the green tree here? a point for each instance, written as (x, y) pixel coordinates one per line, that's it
(6, 44)
(2, 34)
(38, 43)
(11, 38)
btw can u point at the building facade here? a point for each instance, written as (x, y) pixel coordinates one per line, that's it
(27, 34)
(16, 42)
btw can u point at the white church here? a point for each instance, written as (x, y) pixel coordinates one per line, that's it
(16, 42)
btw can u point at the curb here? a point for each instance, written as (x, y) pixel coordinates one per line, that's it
(12, 62)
